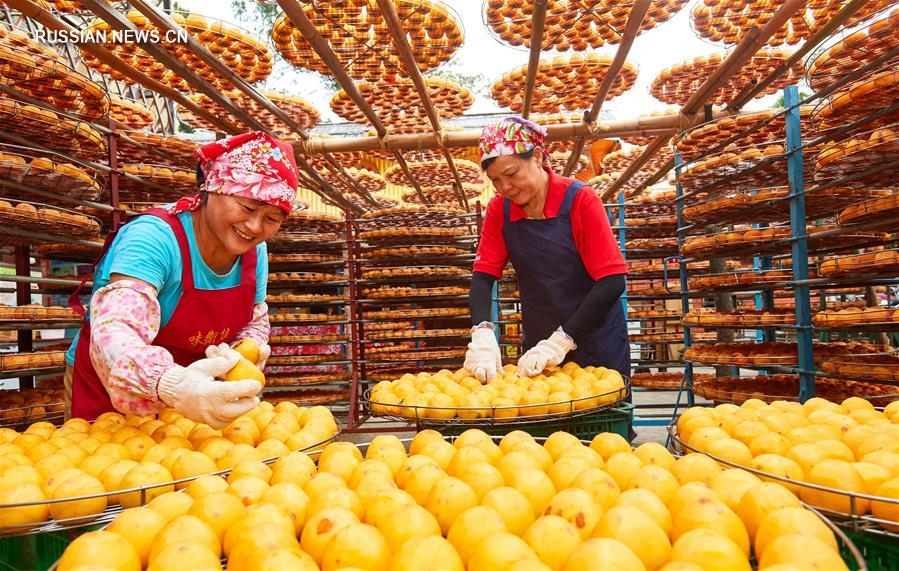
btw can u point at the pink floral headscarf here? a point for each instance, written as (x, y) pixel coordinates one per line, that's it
(252, 165)
(511, 136)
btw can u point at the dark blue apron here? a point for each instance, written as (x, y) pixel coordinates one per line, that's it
(553, 282)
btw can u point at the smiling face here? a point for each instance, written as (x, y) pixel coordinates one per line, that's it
(240, 224)
(516, 178)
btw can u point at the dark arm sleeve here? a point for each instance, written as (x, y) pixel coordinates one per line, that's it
(605, 293)
(480, 297)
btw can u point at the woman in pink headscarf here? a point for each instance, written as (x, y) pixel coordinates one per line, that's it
(176, 286)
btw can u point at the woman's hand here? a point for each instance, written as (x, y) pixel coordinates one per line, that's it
(223, 349)
(549, 352)
(194, 391)
(483, 358)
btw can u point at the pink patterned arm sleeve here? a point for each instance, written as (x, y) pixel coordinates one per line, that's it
(125, 318)
(258, 329)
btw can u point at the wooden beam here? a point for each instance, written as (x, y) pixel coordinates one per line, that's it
(754, 40)
(31, 10)
(407, 58)
(336, 197)
(321, 47)
(24, 97)
(750, 92)
(404, 166)
(634, 21)
(6, 183)
(118, 21)
(635, 166)
(644, 126)
(538, 25)
(162, 20)
(657, 176)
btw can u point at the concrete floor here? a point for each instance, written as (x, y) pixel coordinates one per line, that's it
(644, 398)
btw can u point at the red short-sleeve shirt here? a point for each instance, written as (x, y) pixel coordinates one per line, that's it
(593, 235)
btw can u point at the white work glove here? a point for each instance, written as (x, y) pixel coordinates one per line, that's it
(546, 353)
(483, 359)
(194, 391)
(224, 349)
(264, 352)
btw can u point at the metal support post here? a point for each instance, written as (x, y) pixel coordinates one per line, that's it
(764, 299)
(759, 301)
(494, 308)
(687, 380)
(768, 304)
(23, 297)
(353, 413)
(622, 244)
(113, 146)
(799, 245)
(494, 295)
(479, 217)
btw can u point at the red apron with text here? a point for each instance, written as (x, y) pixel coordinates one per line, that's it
(201, 318)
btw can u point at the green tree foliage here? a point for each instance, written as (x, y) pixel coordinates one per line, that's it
(779, 104)
(454, 71)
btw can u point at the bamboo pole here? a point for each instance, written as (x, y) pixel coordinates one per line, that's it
(651, 149)
(6, 183)
(299, 19)
(754, 40)
(337, 197)
(538, 25)
(644, 126)
(394, 26)
(749, 92)
(118, 21)
(32, 10)
(162, 20)
(634, 21)
(24, 97)
(657, 176)
(404, 166)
